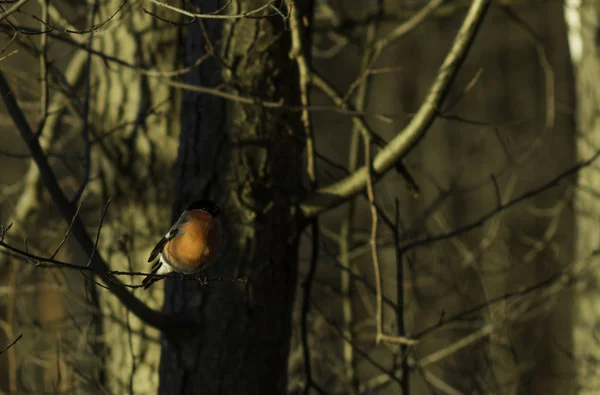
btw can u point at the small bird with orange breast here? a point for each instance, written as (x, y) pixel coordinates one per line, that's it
(190, 245)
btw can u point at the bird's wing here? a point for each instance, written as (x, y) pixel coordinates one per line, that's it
(158, 248)
(171, 234)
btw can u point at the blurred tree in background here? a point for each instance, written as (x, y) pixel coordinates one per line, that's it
(408, 192)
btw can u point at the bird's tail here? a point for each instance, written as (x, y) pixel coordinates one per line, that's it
(152, 278)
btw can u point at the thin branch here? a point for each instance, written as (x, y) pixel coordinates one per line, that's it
(92, 29)
(301, 41)
(98, 231)
(85, 132)
(373, 242)
(66, 236)
(307, 285)
(275, 104)
(300, 55)
(364, 354)
(543, 60)
(337, 98)
(12, 9)
(9, 55)
(358, 122)
(456, 346)
(346, 235)
(10, 320)
(500, 208)
(405, 387)
(11, 344)
(407, 26)
(44, 94)
(337, 193)
(557, 278)
(51, 263)
(388, 118)
(439, 383)
(108, 58)
(131, 352)
(214, 16)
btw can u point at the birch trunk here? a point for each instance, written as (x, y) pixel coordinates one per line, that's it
(583, 21)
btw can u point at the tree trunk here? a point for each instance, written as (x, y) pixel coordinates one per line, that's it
(249, 159)
(135, 128)
(582, 19)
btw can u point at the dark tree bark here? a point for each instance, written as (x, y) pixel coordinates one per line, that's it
(249, 159)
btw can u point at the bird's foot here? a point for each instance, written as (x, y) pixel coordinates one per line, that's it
(204, 280)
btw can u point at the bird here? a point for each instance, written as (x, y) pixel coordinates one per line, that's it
(190, 245)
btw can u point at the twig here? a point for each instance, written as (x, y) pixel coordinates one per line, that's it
(346, 228)
(466, 90)
(213, 16)
(71, 30)
(367, 72)
(439, 383)
(64, 239)
(98, 230)
(364, 354)
(337, 98)
(11, 344)
(315, 79)
(388, 118)
(545, 65)
(373, 242)
(44, 93)
(307, 285)
(400, 31)
(300, 37)
(456, 346)
(9, 54)
(345, 275)
(10, 318)
(12, 9)
(407, 26)
(132, 352)
(49, 263)
(554, 279)
(405, 387)
(301, 41)
(527, 195)
(85, 132)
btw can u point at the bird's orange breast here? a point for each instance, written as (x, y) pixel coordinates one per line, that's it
(199, 241)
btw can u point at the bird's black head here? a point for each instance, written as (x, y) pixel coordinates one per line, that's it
(205, 205)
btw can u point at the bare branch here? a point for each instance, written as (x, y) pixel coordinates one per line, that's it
(335, 194)
(44, 90)
(406, 27)
(373, 241)
(456, 346)
(215, 16)
(12, 9)
(301, 40)
(66, 236)
(85, 132)
(365, 355)
(11, 344)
